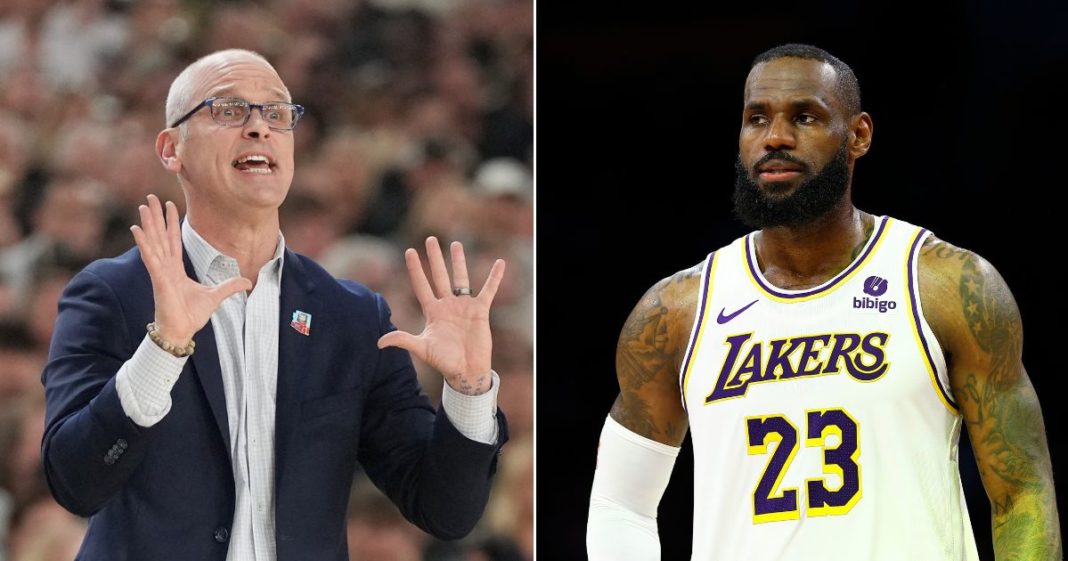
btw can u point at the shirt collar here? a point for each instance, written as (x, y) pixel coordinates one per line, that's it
(207, 260)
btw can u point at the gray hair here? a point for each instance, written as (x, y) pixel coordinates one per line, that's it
(180, 96)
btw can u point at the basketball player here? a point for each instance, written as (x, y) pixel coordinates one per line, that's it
(825, 364)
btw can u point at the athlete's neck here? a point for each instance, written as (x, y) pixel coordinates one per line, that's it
(798, 257)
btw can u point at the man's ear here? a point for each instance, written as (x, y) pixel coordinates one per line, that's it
(167, 149)
(860, 132)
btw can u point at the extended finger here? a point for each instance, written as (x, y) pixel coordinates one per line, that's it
(174, 229)
(160, 216)
(489, 290)
(139, 239)
(151, 236)
(230, 287)
(156, 229)
(420, 285)
(437, 267)
(148, 257)
(459, 266)
(403, 340)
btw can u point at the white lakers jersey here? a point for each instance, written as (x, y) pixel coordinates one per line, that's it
(822, 422)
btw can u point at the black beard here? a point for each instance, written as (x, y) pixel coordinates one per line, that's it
(812, 199)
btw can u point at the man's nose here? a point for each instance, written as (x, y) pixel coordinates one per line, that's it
(256, 127)
(780, 135)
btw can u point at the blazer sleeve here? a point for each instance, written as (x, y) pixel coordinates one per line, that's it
(439, 479)
(90, 446)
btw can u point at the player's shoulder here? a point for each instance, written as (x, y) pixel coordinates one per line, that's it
(961, 292)
(667, 310)
(677, 293)
(943, 263)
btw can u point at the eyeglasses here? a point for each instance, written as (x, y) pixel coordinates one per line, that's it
(234, 112)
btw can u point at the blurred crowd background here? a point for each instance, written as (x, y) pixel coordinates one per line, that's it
(419, 121)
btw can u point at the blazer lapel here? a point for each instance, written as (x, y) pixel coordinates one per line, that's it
(209, 372)
(298, 312)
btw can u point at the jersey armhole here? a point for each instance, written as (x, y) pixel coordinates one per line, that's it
(928, 344)
(698, 323)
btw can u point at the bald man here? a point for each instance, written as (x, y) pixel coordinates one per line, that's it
(210, 393)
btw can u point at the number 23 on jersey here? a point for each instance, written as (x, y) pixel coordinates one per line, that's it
(770, 503)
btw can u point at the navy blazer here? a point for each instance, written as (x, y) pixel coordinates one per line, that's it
(167, 492)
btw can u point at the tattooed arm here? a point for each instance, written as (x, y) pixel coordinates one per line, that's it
(640, 439)
(976, 320)
(649, 355)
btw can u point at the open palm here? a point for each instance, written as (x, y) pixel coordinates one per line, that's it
(183, 305)
(456, 340)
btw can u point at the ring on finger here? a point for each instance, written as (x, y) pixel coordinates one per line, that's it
(462, 291)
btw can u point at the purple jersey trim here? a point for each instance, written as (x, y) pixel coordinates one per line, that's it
(705, 286)
(754, 271)
(914, 299)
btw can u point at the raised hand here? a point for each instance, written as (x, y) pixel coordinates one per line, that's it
(183, 305)
(456, 340)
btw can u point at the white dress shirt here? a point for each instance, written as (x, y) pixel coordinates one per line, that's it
(249, 374)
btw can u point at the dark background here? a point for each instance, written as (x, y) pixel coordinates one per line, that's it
(639, 111)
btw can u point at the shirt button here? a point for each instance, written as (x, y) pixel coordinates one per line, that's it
(222, 534)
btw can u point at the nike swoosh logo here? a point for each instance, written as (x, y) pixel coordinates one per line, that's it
(725, 318)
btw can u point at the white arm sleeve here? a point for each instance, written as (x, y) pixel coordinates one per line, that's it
(632, 473)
